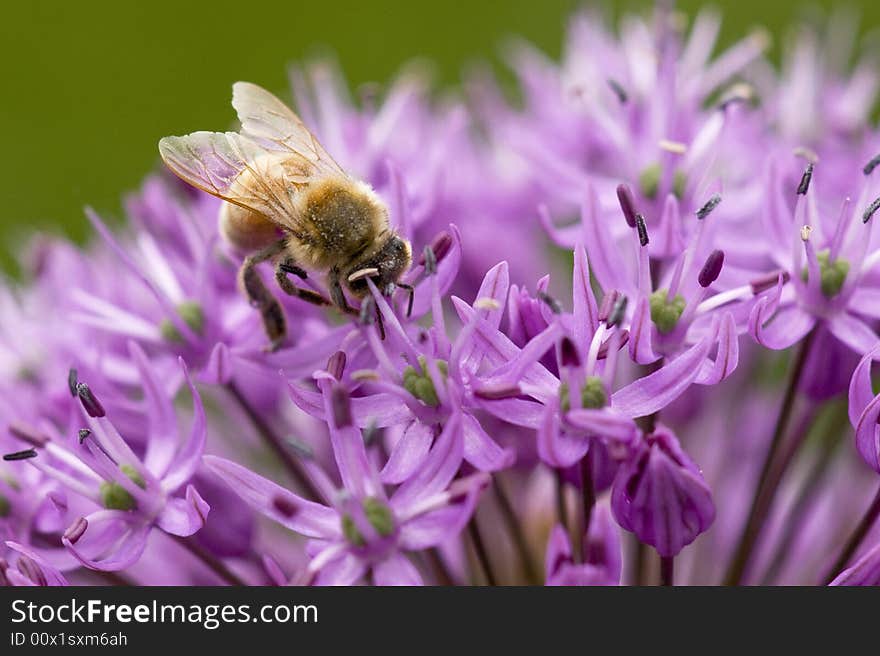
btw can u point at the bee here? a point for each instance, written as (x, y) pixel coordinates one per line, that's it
(289, 202)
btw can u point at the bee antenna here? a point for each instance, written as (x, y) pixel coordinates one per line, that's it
(412, 295)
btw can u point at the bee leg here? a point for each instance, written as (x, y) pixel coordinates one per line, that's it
(259, 296)
(287, 266)
(337, 295)
(411, 292)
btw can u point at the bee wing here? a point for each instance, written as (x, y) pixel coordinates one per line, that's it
(236, 169)
(267, 120)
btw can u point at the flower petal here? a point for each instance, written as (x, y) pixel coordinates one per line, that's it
(647, 395)
(310, 519)
(480, 450)
(396, 569)
(186, 516)
(853, 332)
(408, 453)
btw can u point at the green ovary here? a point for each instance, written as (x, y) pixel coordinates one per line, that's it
(832, 275)
(593, 395)
(418, 383)
(193, 316)
(665, 313)
(649, 182)
(116, 497)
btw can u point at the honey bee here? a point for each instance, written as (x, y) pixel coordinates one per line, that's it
(289, 202)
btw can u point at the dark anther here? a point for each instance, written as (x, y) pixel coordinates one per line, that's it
(568, 353)
(496, 392)
(75, 531)
(804, 186)
(371, 434)
(430, 260)
(31, 570)
(20, 455)
(340, 402)
(441, 245)
(710, 205)
(554, 305)
(618, 90)
(83, 434)
(71, 381)
(872, 208)
(768, 281)
(711, 269)
(870, 166)
(603, 349)
(627, 204)
(27, 434)
(91, 404)
(607, 305)
(617, 312)
(285, 506)
(643, 230)
(336, 365)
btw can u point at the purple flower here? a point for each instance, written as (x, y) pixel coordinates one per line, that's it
(134, 494)
(824, 257)
(660, 495)
(366, 529)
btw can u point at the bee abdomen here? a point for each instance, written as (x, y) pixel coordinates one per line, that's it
(244, 229)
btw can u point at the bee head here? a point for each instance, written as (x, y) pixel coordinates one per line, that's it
(384, 267)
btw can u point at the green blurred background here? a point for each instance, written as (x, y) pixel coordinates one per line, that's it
(89, 87)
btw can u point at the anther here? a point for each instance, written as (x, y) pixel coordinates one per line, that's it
(20, 455)
(768, 281)
(675, 147)
(487, 303)
(711, 269)
(627, 204)
(496, 392)
(340, 402)
(75, 531)
(83, 434)
(336, 365)
(554, 305)
(27, 434)
(806, 231)
(708, 207)
(284, 506)
(430, 258)
(372, 433)
(617, 312)
(804, 185)
(871, 209)
(91, 404)
(870, 166)
(618, 90)
(643, 230)
(568, 354)
(300, 448)
(607, 304)
(72, 381)
(33, 571)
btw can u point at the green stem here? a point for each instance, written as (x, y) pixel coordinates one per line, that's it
(210, 560)
(667, 570)
(771, 473)
(515, 530)
(482, 553)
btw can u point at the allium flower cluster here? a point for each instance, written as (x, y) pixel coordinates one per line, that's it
(689, 400)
